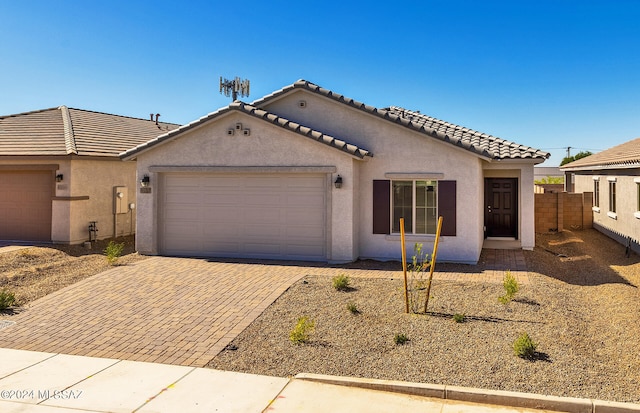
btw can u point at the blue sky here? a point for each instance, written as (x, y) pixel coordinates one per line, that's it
(547, 74)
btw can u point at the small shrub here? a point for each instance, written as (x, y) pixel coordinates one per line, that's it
(524, 347)
(341, 282)
(7, 299)
(113, 252)
(400, 338)
(511, 287)
(300, 333)
(459, 318)
(352, 308)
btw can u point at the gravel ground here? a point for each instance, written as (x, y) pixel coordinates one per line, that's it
(34, 272)
(582, 307)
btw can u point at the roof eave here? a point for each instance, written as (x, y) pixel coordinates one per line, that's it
(634, 165)
(342, 146)
(388, 116)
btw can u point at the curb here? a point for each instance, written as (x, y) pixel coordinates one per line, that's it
(473, 395)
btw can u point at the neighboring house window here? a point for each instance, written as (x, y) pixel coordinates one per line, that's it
(419, 202)
(612, 196)
(596, 194)
(638, 196)
(416, 202)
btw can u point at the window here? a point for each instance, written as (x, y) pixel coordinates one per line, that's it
(439, 200)
(596, 193)
(416, 202)
(638, 196)
(612, 196)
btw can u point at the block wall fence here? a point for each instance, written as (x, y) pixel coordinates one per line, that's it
(556, 212)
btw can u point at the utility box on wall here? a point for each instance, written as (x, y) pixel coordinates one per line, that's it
(120, 200)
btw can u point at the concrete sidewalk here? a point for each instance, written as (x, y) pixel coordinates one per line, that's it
(36, 382)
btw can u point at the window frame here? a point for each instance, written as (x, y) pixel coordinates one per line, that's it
(636, 214)
(612, 196)
(415, 207)
(596, 193)
(611, 213)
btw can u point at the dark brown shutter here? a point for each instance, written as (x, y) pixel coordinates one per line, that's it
(381, 207)
(447, 207)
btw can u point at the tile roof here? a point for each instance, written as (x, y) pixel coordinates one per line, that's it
(68, 131)
(260, 114)
(626, 155)
(479, 143)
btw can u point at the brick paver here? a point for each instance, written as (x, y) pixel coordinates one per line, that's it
(183, 311)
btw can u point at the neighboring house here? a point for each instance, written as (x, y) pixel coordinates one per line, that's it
(542, 172)
(546, 178)
(308, 174)
(60, 171)
(614, 178)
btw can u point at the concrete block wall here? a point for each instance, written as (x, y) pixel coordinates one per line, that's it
(563, 210)
(546, 211)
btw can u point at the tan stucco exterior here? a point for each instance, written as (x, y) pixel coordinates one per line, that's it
(85, 194)
(625, 221)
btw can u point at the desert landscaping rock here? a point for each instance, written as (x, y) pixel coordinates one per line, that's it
(583, 312)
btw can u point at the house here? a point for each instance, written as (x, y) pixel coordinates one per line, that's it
(306, 173)
(60, 171)
(548, 179)
(613, 176)
(544, 172)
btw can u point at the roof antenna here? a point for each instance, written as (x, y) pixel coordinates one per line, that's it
(232, 87)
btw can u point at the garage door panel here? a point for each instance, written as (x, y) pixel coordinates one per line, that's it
(259, 182)
(222, 232)
(257, 215)
(299, 216)
(222, 249)
(269, 199)
(305, 200)
(228, 199)
(295, 250)
(253, 216)
(261, 248)
(183, 198)
(220, 181)
(25, 205)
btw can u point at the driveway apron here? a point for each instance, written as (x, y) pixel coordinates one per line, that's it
(180, 310)
(164, 310)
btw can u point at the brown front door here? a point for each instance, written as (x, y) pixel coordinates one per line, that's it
(501, 207)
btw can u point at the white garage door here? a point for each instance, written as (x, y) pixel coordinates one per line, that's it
(251, 216)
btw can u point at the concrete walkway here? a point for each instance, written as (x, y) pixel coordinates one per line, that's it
(178, 310)
(36, 382)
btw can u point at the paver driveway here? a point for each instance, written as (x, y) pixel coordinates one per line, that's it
(172, 310)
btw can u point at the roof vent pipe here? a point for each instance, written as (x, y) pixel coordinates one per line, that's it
(157, 116)
(151, 116)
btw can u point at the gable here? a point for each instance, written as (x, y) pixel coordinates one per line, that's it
(480, 144)
(261, 116)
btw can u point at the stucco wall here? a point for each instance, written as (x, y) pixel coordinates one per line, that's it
(93, 178)
(626, 220)
(266, 146)
(396, 150)
(97, 179)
